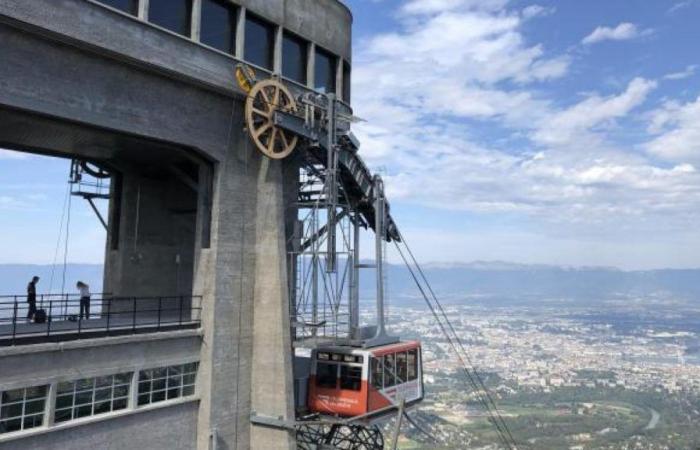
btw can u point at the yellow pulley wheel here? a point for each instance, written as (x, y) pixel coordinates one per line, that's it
(264, 98)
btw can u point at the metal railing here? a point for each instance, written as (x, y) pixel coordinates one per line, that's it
(108, 316)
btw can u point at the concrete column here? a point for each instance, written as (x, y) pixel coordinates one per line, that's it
(196, 20)
(240, 33)
(143, 10)
(277, 55)
(311, 66)
(272, 386)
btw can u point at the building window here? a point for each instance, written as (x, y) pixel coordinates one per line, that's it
(346, 82)
(324, 71)
(166, 383)
(91, 396)
(128, 6)
(401, 368)
(22, 409)
(294, 56)
(218, 26)
(259, 42)
(174, 15)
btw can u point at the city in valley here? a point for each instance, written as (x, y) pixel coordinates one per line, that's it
(621, 375)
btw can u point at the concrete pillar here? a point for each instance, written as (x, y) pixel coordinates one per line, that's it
(245, 363)
(272, 387)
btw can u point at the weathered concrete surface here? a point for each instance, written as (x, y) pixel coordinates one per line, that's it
(273, 389)
(169, 428)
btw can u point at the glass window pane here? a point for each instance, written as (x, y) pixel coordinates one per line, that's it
(103, 381)
(128, 6)
(83, 398)
(158, 396)
(14, 395)
(401, 368)
(218, 25)
(190, 368)
(103, 394)
(173, 393)
(7, 426)
(346, 82)
(83, 411)
(324, 71)
(145, 375)
(84, 384)
(123, 378)
(259, 42)
(103, 407)
(144, 399)
(65, 387)
(64, 401)
(326, 375)
(161, 372)
(33, 421)
(412, 364)
(188, 379)
(350, 377)
(121, 391)
(63, 415)
(294, 52)
(389, 371)
(187, 390)
(10, 411)
(173, 15)
(34, 407)
(36, 392)
(159, 384)
(120, 403)
(377, 373)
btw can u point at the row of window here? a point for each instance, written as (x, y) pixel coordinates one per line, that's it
(218, 21)
(394, 368)
(25, 408)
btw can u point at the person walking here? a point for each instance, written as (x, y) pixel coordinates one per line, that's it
(31, 298)
(84, 299)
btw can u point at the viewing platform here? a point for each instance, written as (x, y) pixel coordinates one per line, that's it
(109, 316)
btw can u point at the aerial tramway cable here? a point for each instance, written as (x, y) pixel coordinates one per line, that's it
(456, 344)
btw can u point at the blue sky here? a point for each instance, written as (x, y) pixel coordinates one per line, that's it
(556, 132)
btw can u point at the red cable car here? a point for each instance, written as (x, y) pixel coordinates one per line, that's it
(350, 382)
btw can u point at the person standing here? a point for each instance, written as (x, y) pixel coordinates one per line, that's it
(31, 298)
(84, 299)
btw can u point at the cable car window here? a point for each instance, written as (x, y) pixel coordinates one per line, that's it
(412, 364)
(350, 377)
(324, 356)
(389, 370)
(218, 25)
(401, 368)
(378, 373)
(173, 15)
(326, 375)
(128, 6)
(324, 71)
(294, 52)
(259, 42)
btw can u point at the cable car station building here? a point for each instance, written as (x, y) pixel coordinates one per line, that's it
(199, 220)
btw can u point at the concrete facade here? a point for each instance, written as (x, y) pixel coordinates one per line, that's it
(78, 79)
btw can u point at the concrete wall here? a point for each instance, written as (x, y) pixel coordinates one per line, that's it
(170, 428)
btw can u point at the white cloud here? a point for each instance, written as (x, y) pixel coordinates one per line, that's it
(677, 127)
(622, 32)
(678, 6)
(532, 11)
(564, 127)
(687, 73)
(419, 7)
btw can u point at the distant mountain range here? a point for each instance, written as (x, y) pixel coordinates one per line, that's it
(476, 280)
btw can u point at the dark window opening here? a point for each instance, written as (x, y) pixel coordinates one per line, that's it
(324, 71)
(294, 55)
(346, 82)
(128, 6)
(259, 42)
(377, 373)
(174, 15)
(218, 25)
(326, 375)
(412, 364)
(350, 377)
(389, 371)
(401, 368)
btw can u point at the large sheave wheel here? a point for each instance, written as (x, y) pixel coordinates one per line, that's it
(263, 100)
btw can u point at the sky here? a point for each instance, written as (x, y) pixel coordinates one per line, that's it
(549, 132)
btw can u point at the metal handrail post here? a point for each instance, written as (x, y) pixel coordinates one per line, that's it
(133, 316)
(181, 300)
(14, 322)
(109, 312)
(48, 319)
(160, 305)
